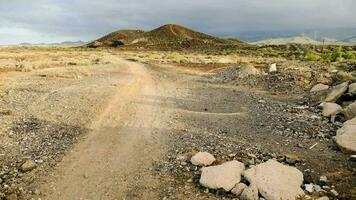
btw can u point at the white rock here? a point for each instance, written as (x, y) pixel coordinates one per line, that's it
(238, 189)
(224, 176)
(202, 159)
(350, 111)
(352, 88)
(337, 92)
(319, 87)
(309, 188)
(276, 181)
(273, 67)
(331, 109)
(346, 136)
(323, 198)
(250, 193)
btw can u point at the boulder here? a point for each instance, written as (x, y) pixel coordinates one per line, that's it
(202, 159)
(272, 68)
(276, 181)
(28, 166)
(331, 109)
(350, 111)
(238, 189)
(337, 92)
(224, 176)
(346, 136)
(319, 87)
(250, 193)
(352, 88)
(95, 44)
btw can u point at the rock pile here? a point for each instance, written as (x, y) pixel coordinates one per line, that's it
(271, 179)
(332, 106)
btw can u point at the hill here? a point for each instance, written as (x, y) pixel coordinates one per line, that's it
(166, 37)
(287, 40)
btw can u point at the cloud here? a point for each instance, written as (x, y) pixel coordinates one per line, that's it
(88, 19)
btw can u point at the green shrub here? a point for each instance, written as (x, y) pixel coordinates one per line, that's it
(311, 56)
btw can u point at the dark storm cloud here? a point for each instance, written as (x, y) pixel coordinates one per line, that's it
(87, 19)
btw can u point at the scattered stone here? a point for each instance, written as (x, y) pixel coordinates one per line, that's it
(323, 198)
(323, 179)
(309, 188)
(346, 136)
(28, 166)
(12, 197)
(276, 181)
(319, 87)
(317, 188)
(202, 159)
(350, 111)
(272, 68)
(353, 158)
(292, 159)
(249, 193)
(334, 192)
(238, 189)
(337, 92)
(352, 88)
(224, 176)
(331, 109)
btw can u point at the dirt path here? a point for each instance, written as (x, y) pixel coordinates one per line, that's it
(113, 161)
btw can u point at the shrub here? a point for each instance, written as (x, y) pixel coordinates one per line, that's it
(311, 56)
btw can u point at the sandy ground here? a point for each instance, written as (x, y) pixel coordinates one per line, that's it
(115, 130)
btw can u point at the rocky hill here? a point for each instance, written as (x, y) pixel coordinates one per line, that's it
(169, 36)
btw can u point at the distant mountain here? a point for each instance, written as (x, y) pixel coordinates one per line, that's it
(288, 40)
(66, 43)
(168, 36)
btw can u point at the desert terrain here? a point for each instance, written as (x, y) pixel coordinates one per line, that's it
(124, 116)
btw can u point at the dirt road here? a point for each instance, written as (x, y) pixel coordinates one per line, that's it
(117, 153)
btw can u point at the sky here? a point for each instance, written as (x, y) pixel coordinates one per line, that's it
(60, 20)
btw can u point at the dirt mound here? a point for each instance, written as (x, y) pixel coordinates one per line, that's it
(166, 37)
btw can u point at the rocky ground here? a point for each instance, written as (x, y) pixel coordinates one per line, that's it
(249, 114)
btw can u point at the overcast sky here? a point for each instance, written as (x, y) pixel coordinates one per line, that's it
(60, 20)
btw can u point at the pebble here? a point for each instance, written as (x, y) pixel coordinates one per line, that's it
(309, 188)
(28, 166)
(334, 192)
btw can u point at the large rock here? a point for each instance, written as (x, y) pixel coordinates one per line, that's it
(276, 181)
(346, 136)
(319, 87)
(350, 111)
(337, 92)
(331, 109)
(352, 88)
(202, 159)
(224, 176)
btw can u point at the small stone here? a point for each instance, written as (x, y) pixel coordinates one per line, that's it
(292, 158)
(238, 189)
(249, 193)
(319, 87)
(334, 192)
(353, 158)
(28, 166)
(323, 179)
(323, 198)
(202, 159)
(317, 188)
(309, 188)
(273, 68)
(12, 197)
